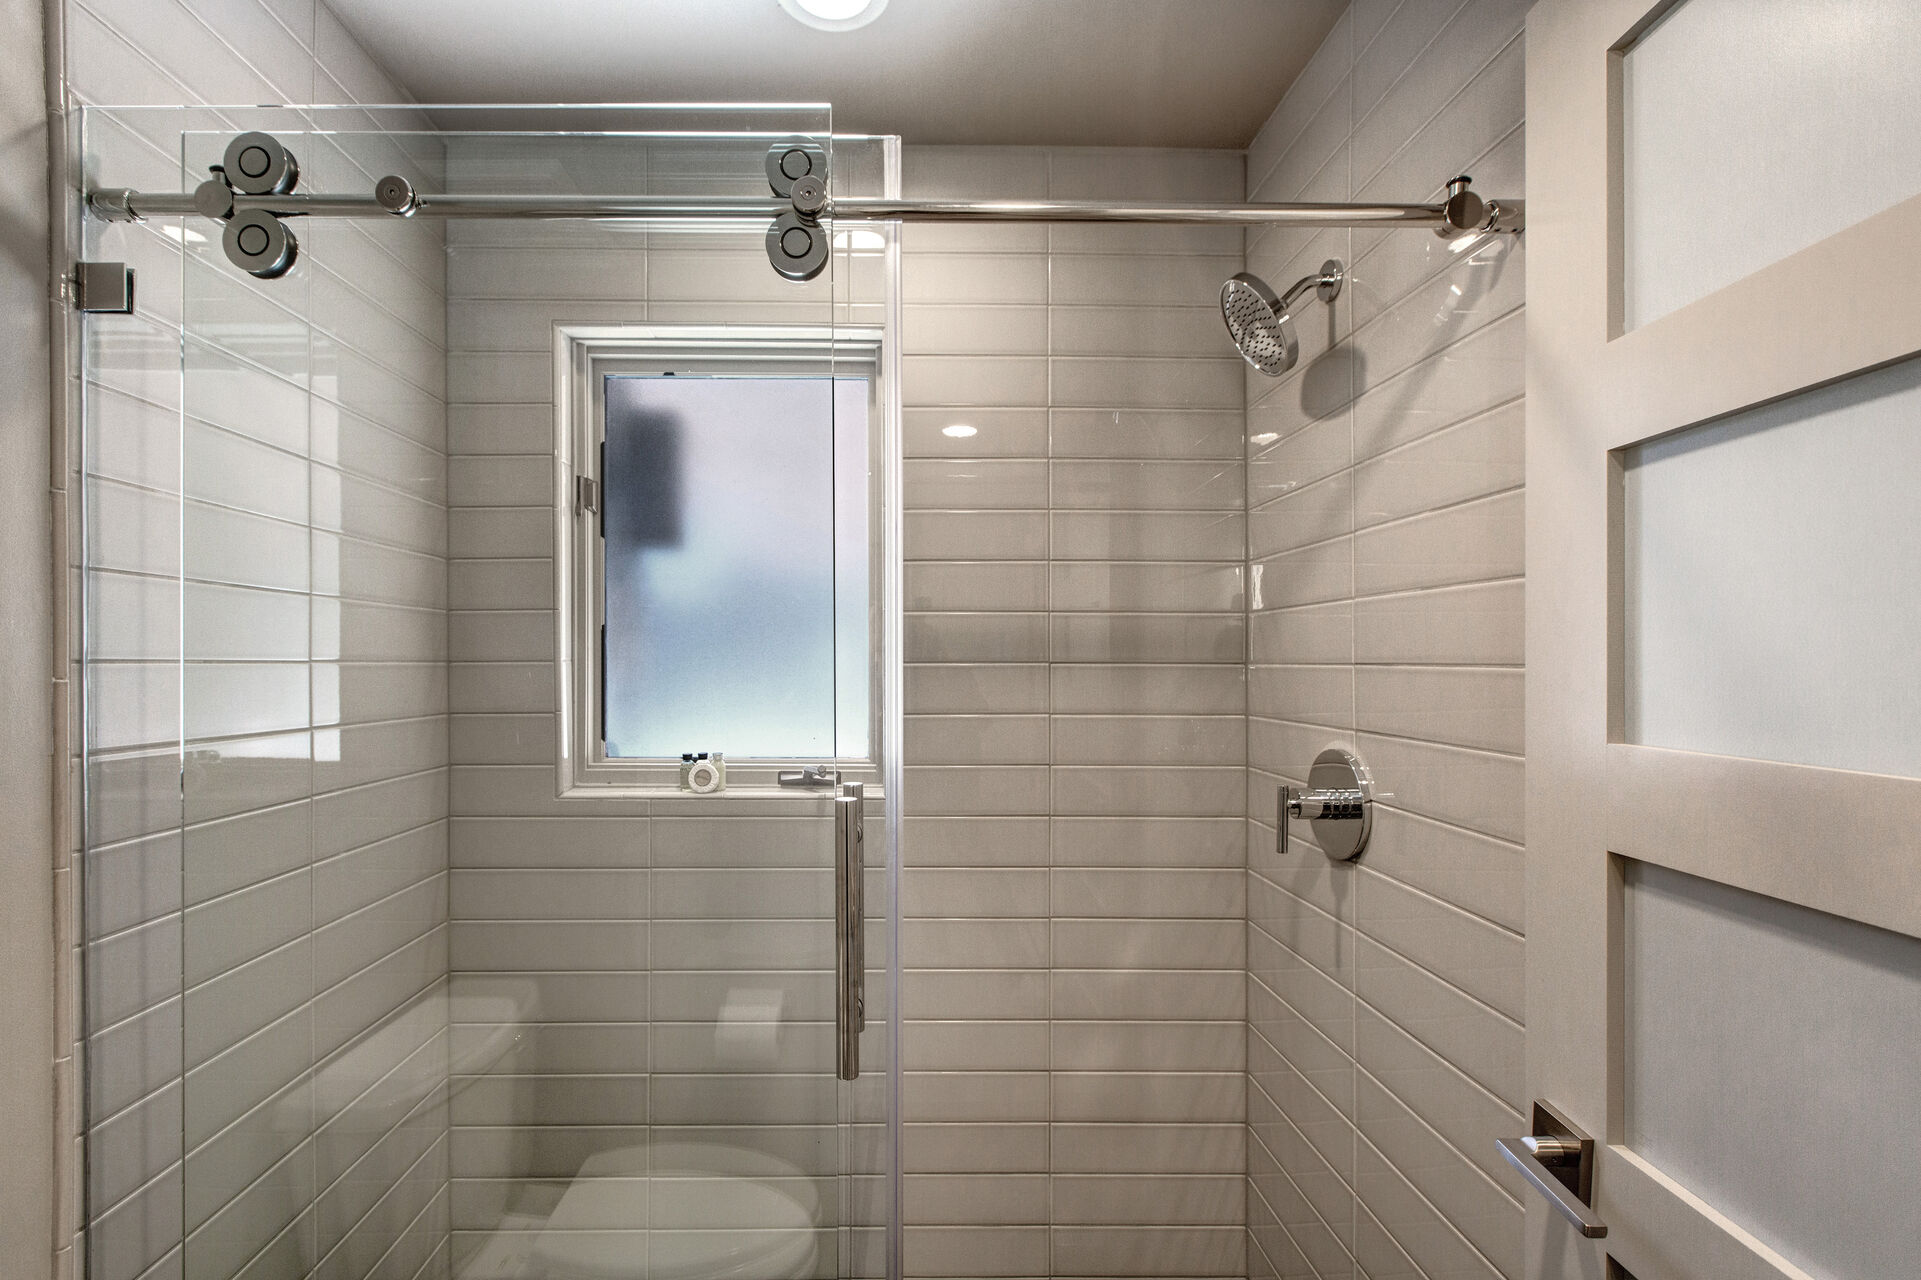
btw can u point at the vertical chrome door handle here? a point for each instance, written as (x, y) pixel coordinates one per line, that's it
(850, 964)
(1557, 1159)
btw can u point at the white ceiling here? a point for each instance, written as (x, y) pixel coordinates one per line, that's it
(1174, 73)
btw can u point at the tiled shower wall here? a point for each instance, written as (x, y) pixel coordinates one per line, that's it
(1385, 544)
(266, 569)
(1073, 886)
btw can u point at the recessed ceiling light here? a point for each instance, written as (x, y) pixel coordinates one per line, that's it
(959, 431)
(834, 15)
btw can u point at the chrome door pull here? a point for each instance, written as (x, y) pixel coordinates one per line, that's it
(850, 962)
(1340, 805)
(1557, 1159)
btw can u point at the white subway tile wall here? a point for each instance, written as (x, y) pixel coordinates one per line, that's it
(1384, 528)
(265, 563)
(1073, 947)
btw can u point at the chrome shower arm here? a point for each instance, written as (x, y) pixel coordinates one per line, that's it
(1325, 283)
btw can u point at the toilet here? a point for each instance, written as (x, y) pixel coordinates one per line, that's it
(759, 1217)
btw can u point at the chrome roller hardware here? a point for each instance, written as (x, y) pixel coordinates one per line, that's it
(258, 243)
(809, 196)
(256, 240)
(797, 246)
(257, 164)
(1557, 1160)
(1339, 802)
(791, 159)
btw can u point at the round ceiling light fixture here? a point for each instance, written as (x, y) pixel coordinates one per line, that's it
(834, 15)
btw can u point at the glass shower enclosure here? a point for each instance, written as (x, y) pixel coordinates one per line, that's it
(415, 943)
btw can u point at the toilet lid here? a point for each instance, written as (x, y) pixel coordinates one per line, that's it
(746, 1229)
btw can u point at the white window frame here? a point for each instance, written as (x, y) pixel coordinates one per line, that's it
(584, 355)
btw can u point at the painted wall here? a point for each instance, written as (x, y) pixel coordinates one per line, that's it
(1385, 544)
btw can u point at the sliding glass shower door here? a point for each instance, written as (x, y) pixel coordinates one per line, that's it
(411, 954)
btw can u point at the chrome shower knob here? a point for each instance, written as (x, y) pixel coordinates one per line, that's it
(1339, 802)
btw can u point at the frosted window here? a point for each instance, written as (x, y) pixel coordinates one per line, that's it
(736, 538)
(1727, 104)
(1772, 580)
(1770, 1066)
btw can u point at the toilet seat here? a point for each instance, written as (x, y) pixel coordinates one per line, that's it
(758, 1218)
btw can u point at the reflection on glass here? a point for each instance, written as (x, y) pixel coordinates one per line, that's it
(735, 533)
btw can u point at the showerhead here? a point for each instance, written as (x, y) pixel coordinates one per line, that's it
(1262, 324)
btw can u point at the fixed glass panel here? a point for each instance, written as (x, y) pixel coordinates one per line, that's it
(1772, 580)
(736, 539)
(1752, 129)
(1769, 1055)
(330, 1030)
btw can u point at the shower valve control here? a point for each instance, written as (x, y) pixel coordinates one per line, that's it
(1339, 804)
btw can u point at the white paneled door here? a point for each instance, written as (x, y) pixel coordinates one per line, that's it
(1724, 603)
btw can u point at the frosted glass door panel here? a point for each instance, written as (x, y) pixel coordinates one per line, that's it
(1770, 1066)
(1752, 129)
(1772, 580)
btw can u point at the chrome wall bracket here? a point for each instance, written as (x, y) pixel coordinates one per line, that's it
(1339, 804)
(1464, 213)
(1557, 1160)
(103, 288)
